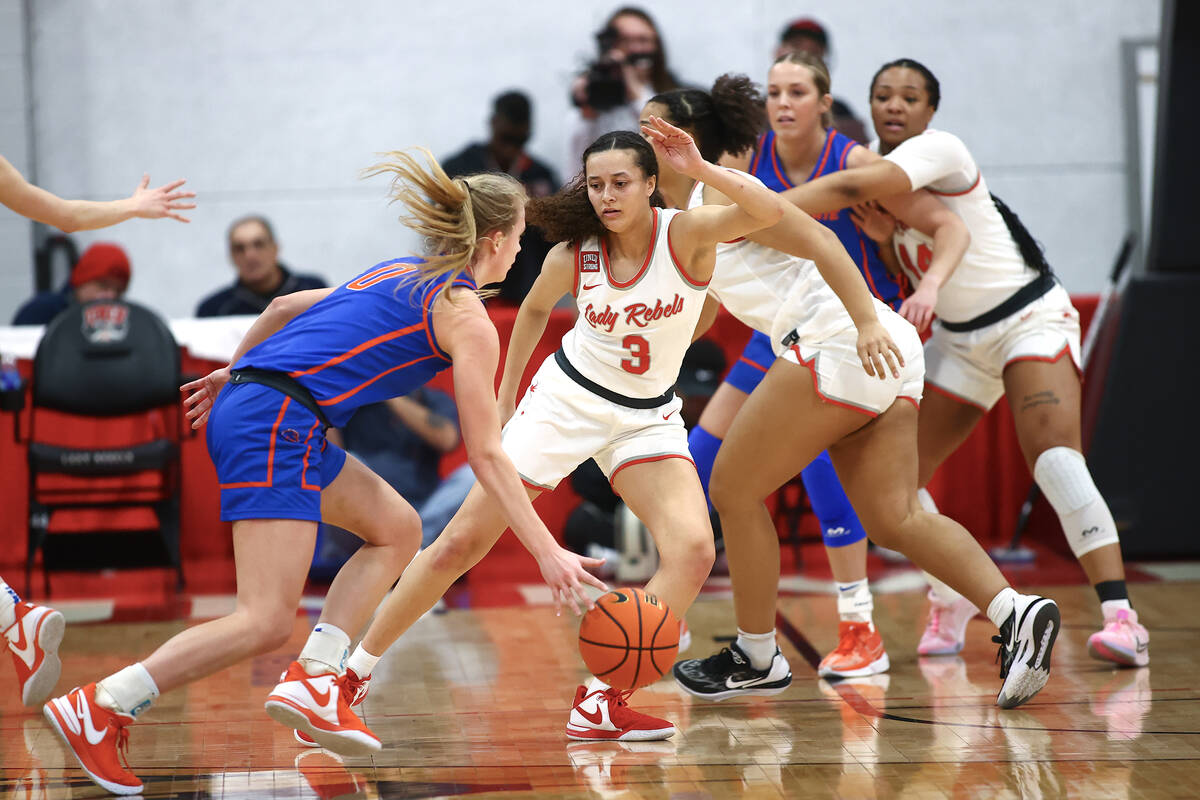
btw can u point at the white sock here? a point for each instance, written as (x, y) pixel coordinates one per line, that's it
(361, 662)
(1109, 608)
(1003, 604)
(759, 648)
(596, 685)
(855, 603)
(129, 691)
(8, 606)
(941, 591)
(926, 501)
(326, 650)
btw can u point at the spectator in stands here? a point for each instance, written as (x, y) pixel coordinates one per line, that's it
(504, 151)
(809, 36)
(403, 440)
(261, 276)
(102, 273)
(631, 67)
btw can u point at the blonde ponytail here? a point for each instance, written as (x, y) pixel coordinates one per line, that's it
(450, 215)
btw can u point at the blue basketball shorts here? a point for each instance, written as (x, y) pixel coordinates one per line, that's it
(749, 370)
(271, 455)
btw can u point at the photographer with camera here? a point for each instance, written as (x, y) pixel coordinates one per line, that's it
(630, 69)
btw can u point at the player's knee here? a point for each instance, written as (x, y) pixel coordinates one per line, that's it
(726, 491)
(692, 555)
(454, 553)
(1063, 476)
(268, 630)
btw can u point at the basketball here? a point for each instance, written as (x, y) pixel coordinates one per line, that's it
(629, 639)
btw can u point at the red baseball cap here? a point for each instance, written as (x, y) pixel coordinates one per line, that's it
(101, 260)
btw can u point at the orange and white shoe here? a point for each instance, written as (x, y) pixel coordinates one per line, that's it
(315, 705)
(354, 691)
(604, 714)
(859, 653)
(96, 736)
(33, 640)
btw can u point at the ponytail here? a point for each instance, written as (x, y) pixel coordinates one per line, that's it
(1031, 250)
(727, 119)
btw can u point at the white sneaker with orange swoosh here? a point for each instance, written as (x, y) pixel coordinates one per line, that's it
(33, 640)
(316, 705)
(96, 736)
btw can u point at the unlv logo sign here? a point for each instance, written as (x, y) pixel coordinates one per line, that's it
(589, 261)
(104, 323)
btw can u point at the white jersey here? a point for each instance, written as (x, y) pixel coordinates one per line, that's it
(630, 337)
(776, 293)
(992, 268)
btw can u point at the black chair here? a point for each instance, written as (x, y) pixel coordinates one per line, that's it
(105, 425)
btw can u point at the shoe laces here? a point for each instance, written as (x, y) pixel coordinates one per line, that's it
(722, 662)
(851, 639)
(935, 618)
(1005, 654)
(123, 745)
(353, 689)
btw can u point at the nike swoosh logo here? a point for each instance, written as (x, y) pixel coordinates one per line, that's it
(23, 647)
(84, 712)
(668, 414)
(595, 717)
(732, 684)
(593, 286)
(1141, 646)
(322, 698)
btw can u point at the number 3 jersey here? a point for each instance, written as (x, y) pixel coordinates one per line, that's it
(630, 336)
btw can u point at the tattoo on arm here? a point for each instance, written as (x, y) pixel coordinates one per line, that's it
(1046, 398)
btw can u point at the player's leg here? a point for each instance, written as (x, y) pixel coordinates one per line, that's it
(782, 427)
(880, 477)
(32, 634)
(1045, 400)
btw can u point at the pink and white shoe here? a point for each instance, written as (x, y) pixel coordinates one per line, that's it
(1123, 641)
(946, 631)
(33, 640)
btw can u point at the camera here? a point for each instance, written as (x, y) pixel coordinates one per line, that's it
(605, 79)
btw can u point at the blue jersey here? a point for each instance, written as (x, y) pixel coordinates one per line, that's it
(765, 166)
(371, 339)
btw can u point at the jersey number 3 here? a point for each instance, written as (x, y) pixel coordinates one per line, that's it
(639, 354)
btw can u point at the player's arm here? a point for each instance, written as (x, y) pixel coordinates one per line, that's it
(464, 331)
(82, 215)
(929, 215)
(436, 430)
(555, 280)
(708, 315)
(848, 187)
(278, 313)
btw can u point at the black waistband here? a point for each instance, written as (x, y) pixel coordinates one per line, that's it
(1021, 298)
(629, 402)
(281, 382)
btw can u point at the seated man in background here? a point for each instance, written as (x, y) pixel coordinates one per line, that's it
(504, 151)
(102, 273)
(402, 440)
(260, 275)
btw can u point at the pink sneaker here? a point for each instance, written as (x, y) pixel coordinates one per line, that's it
(947, 627)
(1123, 641)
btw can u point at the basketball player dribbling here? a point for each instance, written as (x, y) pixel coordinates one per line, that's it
(33, 632)
(1006, 327)
(306, 364)
(639, 275)
(848, 378)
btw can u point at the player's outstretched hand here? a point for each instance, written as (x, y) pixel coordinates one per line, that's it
(917, 308)
(564, 573)
(876, 223)
(673, 146)
(161, 202)
(203, 393)
(875, 346)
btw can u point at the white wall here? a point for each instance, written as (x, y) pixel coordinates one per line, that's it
(274, 106)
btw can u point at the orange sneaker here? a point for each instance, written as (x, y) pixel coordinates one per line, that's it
(859, 653)
(34, 639)
(316, 705)
(354, 691)
(96, 736)
(605, 714)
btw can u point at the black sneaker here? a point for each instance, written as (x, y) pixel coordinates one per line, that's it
(1026, 639)
(730, 674)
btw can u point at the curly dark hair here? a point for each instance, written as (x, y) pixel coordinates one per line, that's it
(567, 215)
(726, 119)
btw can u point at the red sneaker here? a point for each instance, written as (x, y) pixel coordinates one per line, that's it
(859, 653)
(604, 714)
(95, 736)
(34, 639)
(316, 705)
(354, 691)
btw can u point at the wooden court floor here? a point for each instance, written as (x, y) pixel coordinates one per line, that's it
(472, 703)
